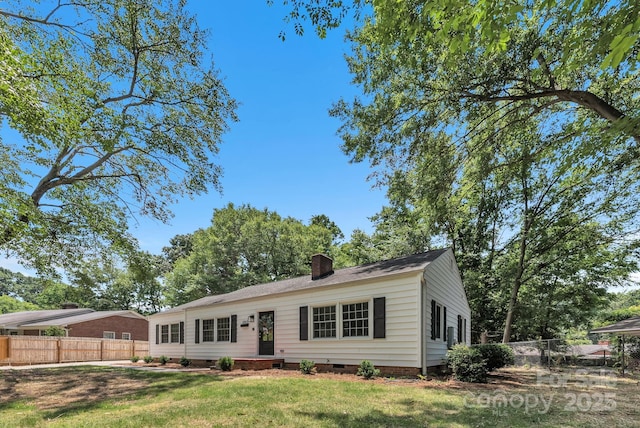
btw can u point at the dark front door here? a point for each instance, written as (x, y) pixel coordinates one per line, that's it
(265, 333)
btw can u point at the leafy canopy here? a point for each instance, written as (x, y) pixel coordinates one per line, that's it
(523, 158)
(110, 110)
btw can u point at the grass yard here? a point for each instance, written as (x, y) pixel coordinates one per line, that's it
(118, 397)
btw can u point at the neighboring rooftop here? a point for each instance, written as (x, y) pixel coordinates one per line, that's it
(16, 319)
(630, 327)
(401, 265)
(75, 319)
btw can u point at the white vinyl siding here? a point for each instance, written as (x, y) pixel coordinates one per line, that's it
(443, 284)
(399, 348)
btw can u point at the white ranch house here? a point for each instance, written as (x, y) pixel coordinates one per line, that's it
(400, 314)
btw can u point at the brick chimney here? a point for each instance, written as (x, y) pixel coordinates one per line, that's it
(69, 305)
(321, 266)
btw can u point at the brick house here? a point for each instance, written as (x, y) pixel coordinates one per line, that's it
(76, 322)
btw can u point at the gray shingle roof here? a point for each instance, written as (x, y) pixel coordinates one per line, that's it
(16, 319)
(402, 265)
(630, 326)
(75, 319)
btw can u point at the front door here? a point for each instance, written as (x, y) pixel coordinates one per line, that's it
(265, 333)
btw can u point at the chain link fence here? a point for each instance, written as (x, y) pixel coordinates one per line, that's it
(557, 352)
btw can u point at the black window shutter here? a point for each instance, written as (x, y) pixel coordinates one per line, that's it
(444, 323)
(197, 331)
(234, 328)
(433, 320)
(157, 333)
(459, 329)
(304, 323)
(181, 331)
(379, 318)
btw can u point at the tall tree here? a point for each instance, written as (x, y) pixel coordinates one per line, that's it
(246, 246)
(117, 112)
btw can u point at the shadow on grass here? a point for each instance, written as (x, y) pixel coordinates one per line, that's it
(414, 413)
(65, 391)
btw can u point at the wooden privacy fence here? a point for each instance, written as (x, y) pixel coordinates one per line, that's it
(43, 350)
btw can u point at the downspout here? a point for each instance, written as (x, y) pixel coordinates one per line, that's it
(421, 332)
(184, 332)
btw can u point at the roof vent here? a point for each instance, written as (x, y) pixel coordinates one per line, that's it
(321, 266)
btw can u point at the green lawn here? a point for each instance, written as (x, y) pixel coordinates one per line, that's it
(110, 397)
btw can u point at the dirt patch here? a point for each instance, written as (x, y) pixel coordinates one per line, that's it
(49, 389)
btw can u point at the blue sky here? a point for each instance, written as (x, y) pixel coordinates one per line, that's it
(284, 154)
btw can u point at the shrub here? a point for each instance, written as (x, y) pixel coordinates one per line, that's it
(467, 364)
(55, 330)
(185, 362)
(148, 359)
(497, 355)
(135, 359)
(164, 359)
(308, 367)
(225, 363)
(367, 370)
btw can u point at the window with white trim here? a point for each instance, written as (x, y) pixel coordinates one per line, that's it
(207, 330)
(126, 336)
(175, 333)
(355, 319)
(108, 334)
(224, 329)
(164, 333)
(324, 321)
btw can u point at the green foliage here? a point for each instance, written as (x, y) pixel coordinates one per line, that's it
(367, 370)
(498, 154)
(308, 367)
(185, 362)
(246, 246)
(10, 304)
(225, 363)
(135, 359)
(148, 359)
(459, 23)
(164, 359)
(112, 125)
(55, 330)
(467, 364)
(496, 355)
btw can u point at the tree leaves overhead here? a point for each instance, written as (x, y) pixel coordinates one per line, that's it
(118, 114)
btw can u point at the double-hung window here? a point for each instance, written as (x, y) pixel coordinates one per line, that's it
(175, 333)
(355, 319)
(207, 330)
(324, 322)
(224, 329)
(164, 333)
